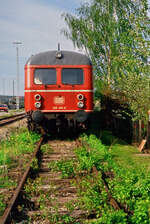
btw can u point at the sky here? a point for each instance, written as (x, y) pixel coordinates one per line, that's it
(35, 23)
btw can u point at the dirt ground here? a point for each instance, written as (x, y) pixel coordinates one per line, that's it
(5, 131)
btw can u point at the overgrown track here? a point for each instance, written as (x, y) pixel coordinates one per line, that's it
(58, 191)
(55, 190)
(6, 218)
(46, 196)
(7, 120)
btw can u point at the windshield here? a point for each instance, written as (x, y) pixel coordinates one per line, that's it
(45, 76)
(72, 76)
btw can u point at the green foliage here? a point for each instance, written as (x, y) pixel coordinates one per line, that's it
(67, 219)
(25, 141)
(112, 217)
(6, 182)
(18, 143)
(115, 35)
(141, 212)
(35, 165)
(130, 186)
(31, 187)
(2, 205)
(46, 149)
(63, 219)
(5, 158)
(92, 194)
(107, 138)
(97, 29)
(66, 167)
(90, 158)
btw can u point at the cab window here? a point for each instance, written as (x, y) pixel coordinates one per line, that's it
(72, 76)
(45, 76)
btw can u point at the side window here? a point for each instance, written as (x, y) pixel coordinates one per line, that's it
(72, 76)
(45, 76)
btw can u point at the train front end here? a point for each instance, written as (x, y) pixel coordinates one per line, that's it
(58, 90)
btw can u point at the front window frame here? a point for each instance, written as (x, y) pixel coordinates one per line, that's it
(69, 83)
(54, 82)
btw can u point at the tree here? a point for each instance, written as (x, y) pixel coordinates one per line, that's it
(114, 33)
(133, 72)
(97, 29)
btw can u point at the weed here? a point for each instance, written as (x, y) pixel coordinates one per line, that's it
(31, 187)
(46, 149)
(89, 158)
(5, 181)
(110, 216)
(35, 165)
(2, 205)
(67, 167)
(61, 219)
(18, 143)
(130, 185)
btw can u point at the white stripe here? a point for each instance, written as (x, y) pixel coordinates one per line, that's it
(65, 110)
(57, 90)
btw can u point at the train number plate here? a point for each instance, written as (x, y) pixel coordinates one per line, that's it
(59, 100)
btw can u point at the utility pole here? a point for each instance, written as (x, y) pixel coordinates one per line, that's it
(4, 86)
(17, 75)
(13, 88)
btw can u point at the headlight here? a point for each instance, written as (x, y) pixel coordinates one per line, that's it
(80, 104)
(80, 96)
(37, 97)
(58, 55)
(37, 105)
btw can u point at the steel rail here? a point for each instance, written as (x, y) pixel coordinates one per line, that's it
(7, 214)
(15, 115)
(113, 202)
(11, 119)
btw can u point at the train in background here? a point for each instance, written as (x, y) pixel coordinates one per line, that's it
(58, 90)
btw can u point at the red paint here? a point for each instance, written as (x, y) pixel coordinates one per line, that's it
(49, 93)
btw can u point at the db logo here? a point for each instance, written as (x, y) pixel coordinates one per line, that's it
(59, 100)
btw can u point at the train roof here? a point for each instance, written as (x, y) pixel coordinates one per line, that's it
(50, 58)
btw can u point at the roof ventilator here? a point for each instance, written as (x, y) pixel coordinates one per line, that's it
(58, 53)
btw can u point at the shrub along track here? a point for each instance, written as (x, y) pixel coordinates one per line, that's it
(104, 177)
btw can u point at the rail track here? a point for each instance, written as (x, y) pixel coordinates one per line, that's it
(10, 119)
(60, 191)
(45, 197)
(7, 216)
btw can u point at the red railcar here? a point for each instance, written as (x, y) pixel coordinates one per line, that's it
(58, 89)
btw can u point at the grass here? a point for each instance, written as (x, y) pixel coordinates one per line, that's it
(2, 205)
(20, 142)
(130, 184)
(6, 182)
(14, 153)
(46, 149)
(129, 157)
(65, 166)
(125, 155)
